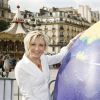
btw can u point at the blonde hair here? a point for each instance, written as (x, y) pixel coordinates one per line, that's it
(32, 36)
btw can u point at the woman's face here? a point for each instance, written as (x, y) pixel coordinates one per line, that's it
(37, 48)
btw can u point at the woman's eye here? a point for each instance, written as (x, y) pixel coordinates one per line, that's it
(32, 44)
(41, 45)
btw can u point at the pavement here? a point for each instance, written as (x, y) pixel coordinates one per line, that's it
(53, 73)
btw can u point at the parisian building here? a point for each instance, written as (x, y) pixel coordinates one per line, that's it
(89, 14)
(4, 10)
(61, 25)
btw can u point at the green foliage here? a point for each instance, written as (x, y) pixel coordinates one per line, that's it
(3, 25)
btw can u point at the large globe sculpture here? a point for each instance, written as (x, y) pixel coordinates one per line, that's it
(79, 74)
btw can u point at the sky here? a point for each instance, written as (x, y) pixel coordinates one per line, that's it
(35, 5)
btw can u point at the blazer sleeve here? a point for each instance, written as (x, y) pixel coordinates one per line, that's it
(25, 84)
(57, 58)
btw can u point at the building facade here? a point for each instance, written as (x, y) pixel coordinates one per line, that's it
(60, 25)
(4, 10)
(86, 12)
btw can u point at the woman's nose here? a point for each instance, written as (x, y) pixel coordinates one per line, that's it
(36, 47)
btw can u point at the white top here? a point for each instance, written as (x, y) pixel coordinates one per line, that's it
(32, 81)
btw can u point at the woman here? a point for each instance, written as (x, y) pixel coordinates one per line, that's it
(32, 71)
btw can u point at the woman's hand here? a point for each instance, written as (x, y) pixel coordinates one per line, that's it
(72, 41)
(76, 37)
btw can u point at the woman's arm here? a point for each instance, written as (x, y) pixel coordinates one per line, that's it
(57, 58)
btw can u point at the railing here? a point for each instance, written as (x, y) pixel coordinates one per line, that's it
(9, 90)
(6, 88)
(51, 87)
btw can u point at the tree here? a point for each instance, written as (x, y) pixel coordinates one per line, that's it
(3, 25)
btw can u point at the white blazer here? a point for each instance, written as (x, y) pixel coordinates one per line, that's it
(33, 82)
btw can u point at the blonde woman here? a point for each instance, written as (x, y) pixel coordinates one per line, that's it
(32, 71)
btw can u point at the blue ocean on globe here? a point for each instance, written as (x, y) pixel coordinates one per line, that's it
(79, 75)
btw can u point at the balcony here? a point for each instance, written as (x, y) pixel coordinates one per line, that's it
(61, 43)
